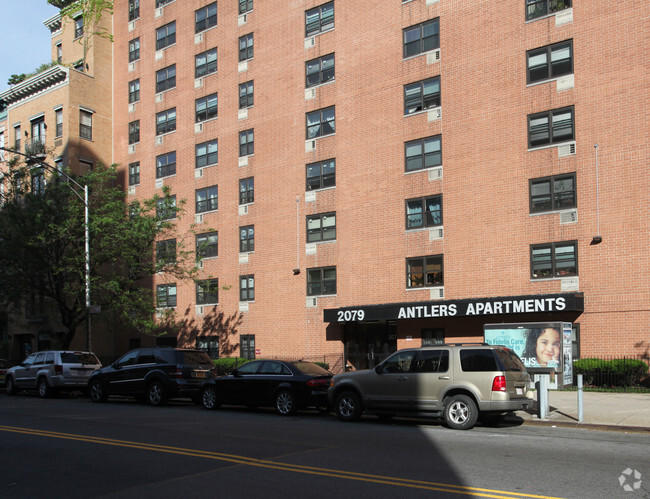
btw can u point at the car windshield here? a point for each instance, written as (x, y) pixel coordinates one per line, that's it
(78, 358)
(311, 369)
(510, 360)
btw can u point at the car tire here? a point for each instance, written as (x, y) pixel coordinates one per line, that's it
(348, 406)
(156, 393)
(285, 403)
(10, 386)
(209, 398)
(460, 413)
(44, 389)
(97, 391)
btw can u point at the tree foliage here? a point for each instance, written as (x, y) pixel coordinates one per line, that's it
(42, 247)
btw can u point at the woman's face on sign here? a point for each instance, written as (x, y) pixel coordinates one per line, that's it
(548, 346)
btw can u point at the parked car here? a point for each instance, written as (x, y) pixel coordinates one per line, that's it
(51, 371)
(458, 382)
(4, 365)
(153, 375)
(285, 385)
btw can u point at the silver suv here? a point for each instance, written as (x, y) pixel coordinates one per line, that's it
(458, 382)
(51, 371)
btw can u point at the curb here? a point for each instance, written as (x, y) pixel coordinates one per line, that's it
(586, 426)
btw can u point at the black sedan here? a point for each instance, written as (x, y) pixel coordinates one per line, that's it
(285, 385)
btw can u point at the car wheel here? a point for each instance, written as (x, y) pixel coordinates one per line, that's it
(348, 406)
(209, 398)
(10, 386)
(97, 391)
(44, 390)
(285, 403)
(460, 412)
(156, 393)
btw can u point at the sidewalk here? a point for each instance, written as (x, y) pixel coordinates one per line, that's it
(604, 410)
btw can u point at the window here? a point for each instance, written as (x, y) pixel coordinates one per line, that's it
(209, 344)
(422, 95)
(321, 123)
(134, 91)
(205, 63)
(553, 193)
(207, 292)
(166, 295)
(134, 49)
(166, 121)
(206, 199)
(554, 260)
(134, 132)
(79, 27)
(247, 239)
(539, 8)
(424, 271)
(134, 10)
(160, 3)
(85, 124)
(166, 35)
(206, 108)
(59, 123)
(421, 38)
(165, 78)
(424, 212)
(38, 181)
(247, 346)
(321, 281)
(206, 17)
(246, 47)
(398, 363)
(321, 227)
(134, 173)
(246, 143)
(59, 53)
(245, 6)
(423, 153)
(166, 164)
(246, 288)
(246, 190)
(319, 19)
(17, 138)
(166, 207)
(206, 154)
(207, 245)
(319, 70)
(550, 127)
(549, 62)
(245, 95)
(166, 251)
(321, 174)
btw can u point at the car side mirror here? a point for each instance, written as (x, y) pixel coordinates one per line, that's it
(379, 369)
(116, 365)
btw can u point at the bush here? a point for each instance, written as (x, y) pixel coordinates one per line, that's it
(228, 365)
(324, 365)
(615, 372)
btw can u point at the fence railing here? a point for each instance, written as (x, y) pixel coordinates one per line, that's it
(627, 373)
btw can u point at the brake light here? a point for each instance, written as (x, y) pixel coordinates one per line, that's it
(58, 369)
(499, 384)
(178, 373)
(318, 382)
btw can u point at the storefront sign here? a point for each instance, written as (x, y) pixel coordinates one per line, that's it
(568, 302)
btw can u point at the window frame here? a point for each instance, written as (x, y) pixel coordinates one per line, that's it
(211, 157)
(205, 248)
(554, 272)
(166, 168)
(246, 99)
(165, 36)
(206, 108)
(166, 251)
(323, 75)
(322, 124)
(134, 132)
(321, 233)
(247, 292)
(211, 201)
(170, 300)
(134, 49)
(58, 123)
(134, 173)
(209, 296)
(162, 212)
(207, 22)
(246, 51)
(134, 10)
(547, 8)
(245, 6)
(421, 157)
(424, 101)
(548, 51)
(322, 177)
(210, 66)
(423, 48)
(85, 129)
(134, 91)
(321, 286)
(425, 213)
(247, 148)
(247, 238)
(552, 193)
(166, 79)
(78, 27)
(169, 124)
(550, 128)
(246, 190)
(319, 26)
(424, 262)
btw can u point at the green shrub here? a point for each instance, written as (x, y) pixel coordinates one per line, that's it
(615, 372)
(324, 365)
(228, 364)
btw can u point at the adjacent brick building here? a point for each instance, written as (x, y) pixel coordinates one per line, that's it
(364, 176)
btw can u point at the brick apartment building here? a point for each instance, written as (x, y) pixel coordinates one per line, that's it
(361, 176)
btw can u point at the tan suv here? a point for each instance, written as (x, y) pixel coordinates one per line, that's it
(458, 382)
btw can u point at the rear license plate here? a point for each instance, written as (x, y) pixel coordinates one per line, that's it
(520, 391)
(200, 374)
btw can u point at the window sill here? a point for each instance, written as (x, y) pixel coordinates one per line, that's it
(206, 212)
(551, 212)
(207, 121)
(541, 82)
(313, 87)
(548, 146)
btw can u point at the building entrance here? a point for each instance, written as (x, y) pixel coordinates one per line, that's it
(367, 344)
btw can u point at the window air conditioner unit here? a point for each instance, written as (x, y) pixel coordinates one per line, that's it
(198, 310)
(198, 38)
(435, 233)
(243, 160)
(434, 114)
(433, 57)
(131, 190)
(566, 150)
(310, 145)
(242, 19)
(243, 209)
(198, 218)
(132, 149)
(159, 183)
(132, 108)
(159, 140)
(569, 216)
(131, 66)
(242, 114)
(437, 293)
(198, 127)
(310, 42)
(159, 55)
(131, 25)
(198, 82)
(311, 302)
(159, 11)
(242, 66)
(435, 173)
(310, 93)
(198, 173)
(159, 97)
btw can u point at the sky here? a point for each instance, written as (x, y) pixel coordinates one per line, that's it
(24, 39)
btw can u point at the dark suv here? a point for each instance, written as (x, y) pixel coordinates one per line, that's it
(153, 375)
(458, 382)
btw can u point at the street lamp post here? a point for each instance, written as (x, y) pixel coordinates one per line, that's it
(85, 201)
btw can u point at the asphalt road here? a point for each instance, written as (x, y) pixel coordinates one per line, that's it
(70, 447)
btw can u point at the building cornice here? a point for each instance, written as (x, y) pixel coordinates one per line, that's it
(53, 23)
(42, 81)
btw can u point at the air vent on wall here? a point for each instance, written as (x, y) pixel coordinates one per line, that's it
(242, 66)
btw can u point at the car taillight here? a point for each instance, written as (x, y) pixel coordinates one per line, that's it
(58, 369)
(178, 373)
(318, 382)
(499, 384)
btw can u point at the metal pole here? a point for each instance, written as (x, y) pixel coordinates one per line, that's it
(87, 231)
(543, 396)
(581, 415)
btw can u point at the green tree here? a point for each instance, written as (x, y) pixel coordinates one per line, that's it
(42, 247)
